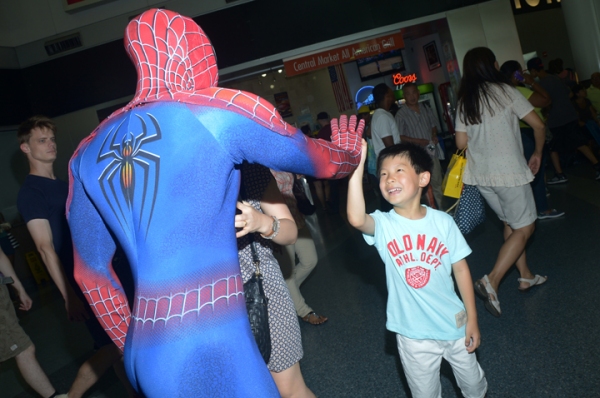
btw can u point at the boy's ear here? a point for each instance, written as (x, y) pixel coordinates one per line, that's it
(424, 178)
(24, 147)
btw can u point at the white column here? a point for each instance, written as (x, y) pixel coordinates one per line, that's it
(582, 20)
(489, 24)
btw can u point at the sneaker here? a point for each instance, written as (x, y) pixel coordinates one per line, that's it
(558, 179)
(553, 213)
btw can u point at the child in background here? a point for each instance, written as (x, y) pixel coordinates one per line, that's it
(421, 248)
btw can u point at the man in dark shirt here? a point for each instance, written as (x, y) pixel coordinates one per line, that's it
(42, 200)
(562, 122)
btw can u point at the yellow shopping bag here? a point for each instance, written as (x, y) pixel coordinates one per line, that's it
(452, 184)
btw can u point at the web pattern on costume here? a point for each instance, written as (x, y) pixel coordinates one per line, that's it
(112, 312)
(125, 156)
(175, 306)
(180, 58)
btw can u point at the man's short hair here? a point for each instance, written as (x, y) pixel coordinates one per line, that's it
(535, 64)
(38, 121)
(410, 84)
(322, 116)
(417, 156)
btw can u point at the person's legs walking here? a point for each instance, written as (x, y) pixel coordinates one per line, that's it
(33, 373)
(290, 383)
(512, 250)
(307, 255)
(516, 208)
(93, 369)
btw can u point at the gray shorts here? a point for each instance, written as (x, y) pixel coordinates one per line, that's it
(513, 205)
(13, 339)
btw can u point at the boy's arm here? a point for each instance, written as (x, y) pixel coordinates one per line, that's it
(356, 209)
(465, 287)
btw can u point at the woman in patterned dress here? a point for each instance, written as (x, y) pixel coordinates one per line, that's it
(261, 209)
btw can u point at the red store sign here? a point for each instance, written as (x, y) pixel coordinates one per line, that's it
(352, 52)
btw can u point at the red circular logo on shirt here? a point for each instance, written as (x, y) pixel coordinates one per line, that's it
(417, 277)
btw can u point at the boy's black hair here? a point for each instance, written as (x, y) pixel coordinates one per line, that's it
(417, 155)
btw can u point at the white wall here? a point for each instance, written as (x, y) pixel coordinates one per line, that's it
(582, 20)
(489, 24)
(545, 32)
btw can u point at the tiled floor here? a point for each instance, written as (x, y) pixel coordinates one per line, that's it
(544, 345)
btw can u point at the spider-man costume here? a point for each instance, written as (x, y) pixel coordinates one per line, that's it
(160, 177)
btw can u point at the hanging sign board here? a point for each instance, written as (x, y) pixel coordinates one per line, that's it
(524, 6)
(351, 52)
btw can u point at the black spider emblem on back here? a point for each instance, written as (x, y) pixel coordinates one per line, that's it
(126, 158)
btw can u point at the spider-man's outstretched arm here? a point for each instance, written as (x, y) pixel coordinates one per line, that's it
(280, 146)
(94, 248)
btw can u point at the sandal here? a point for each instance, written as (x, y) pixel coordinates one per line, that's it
(536, 281)
(484, 289)
(313, 318)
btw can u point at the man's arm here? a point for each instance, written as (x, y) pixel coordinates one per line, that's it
(288, 149)
(356, 209)
(42, 236)
(465, 287)
(7, 270)
(388, 141)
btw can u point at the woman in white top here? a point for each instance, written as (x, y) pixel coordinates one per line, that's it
(488, 116)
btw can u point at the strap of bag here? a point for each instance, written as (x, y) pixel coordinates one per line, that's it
(255, 258)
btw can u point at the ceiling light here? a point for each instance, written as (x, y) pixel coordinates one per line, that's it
(264, 75)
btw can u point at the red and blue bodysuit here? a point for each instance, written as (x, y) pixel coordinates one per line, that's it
(159, 176)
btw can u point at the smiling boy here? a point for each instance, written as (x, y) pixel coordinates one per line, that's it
(421, 248)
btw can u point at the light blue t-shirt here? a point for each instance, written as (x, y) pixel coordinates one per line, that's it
(418, 257)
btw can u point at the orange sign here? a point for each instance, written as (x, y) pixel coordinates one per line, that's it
(399, 79)
(363, 49)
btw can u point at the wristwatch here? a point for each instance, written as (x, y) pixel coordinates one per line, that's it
(275, 229)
